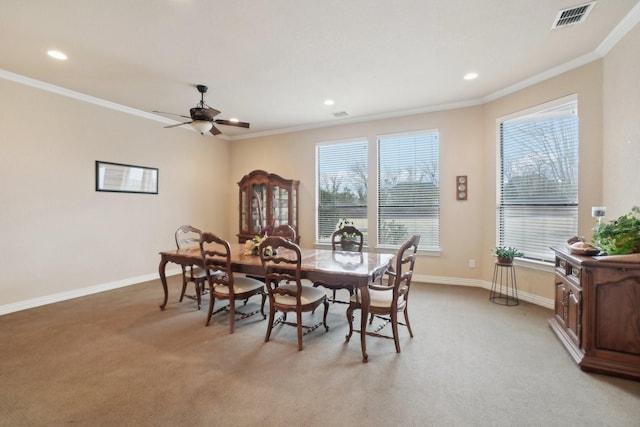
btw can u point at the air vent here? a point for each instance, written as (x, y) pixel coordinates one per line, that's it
(340, 114)
(572, 16)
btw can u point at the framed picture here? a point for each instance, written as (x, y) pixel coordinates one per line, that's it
(117, 177)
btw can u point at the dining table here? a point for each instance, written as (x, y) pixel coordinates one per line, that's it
(331, 267)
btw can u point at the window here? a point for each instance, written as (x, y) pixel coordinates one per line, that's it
(408, 189)
(341, 186)
(538, 195)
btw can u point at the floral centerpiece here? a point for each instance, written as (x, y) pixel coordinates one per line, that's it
(251, 246)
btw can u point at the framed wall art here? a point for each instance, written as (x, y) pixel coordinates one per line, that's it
(462, 187)
(121, 178)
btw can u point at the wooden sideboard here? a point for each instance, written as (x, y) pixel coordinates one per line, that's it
(266, 199)
(597, 312)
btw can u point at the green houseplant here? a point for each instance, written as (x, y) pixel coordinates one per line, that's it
(506, 254)
(620, 236)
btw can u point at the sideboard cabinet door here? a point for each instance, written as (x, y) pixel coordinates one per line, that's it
(597, 312)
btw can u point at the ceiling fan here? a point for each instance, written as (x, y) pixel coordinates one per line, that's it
(202, 117)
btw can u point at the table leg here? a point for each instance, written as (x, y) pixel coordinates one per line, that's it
(163, 280)
(364, 308)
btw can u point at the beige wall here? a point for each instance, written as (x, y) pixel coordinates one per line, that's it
(292, 155)
(467, 147)
(59, 234)
(586, 83)
(62, 239)
(621, 137)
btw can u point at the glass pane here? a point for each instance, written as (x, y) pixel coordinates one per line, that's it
(294, 208)
(244, 211)
(280, 205)
(259, 208)
(409, 189)
(539, 180)
(342, 187)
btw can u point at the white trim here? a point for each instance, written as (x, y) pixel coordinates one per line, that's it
(91, 99)
(77, 293)
(80, 96)
(407, 133)
(83, 292)
(476, 283)
(535, 109)
(624, 26)
(373, 117)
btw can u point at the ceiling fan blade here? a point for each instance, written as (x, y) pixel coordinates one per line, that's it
(214, 131)
(173, 114)
(207, 114)
(230, 123)
(176, 125)
(212, 111)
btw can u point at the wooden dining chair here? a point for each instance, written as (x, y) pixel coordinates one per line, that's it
(391, 296)
(349, 233)
(356, 240)
(189, 237)
(281, 260)
(223, 284)
(286, 231)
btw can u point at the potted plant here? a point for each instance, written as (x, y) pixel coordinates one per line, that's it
(348, 241)
(620, 236)
(506, 254)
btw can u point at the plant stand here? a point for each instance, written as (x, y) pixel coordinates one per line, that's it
(504, 290)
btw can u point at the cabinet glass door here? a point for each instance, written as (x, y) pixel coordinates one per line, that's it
(294, 208)
(280, 205)
(244, 211)
(258, 208)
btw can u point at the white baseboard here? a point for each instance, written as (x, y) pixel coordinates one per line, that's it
(82, 292)
(525, 296)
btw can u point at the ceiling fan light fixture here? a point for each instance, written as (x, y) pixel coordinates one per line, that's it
(202, 126)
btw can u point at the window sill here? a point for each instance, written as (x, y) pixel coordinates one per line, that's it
(535, 265)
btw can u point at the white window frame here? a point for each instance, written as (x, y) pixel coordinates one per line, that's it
(361, 224)
(426, 244)
(543, 261)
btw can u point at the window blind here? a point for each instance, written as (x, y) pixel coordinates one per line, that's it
(408, 189)
(538, 200)
(342, 175)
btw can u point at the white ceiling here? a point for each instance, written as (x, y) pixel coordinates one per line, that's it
(274, 62)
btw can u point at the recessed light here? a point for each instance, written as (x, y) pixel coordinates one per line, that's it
(57, 55)
(329, 102)
(234, 119)
(471, 76)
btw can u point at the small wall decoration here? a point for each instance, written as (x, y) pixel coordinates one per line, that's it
(121, 178)
(462, 187)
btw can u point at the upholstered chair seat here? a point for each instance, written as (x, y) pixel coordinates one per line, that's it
(308, 295)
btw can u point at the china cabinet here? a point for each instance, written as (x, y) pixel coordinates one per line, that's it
(597, 312)
(266, 200)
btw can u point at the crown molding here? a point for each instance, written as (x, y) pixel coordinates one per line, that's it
(629, 21)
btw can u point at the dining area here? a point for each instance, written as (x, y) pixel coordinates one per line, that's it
(283, 277)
